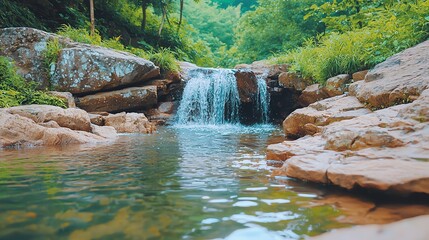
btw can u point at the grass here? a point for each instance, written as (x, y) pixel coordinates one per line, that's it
(15, 91)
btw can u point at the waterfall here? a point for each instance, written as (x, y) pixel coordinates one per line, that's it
(262, 101)
(210, 97)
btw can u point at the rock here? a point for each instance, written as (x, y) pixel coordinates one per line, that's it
(292, 80)
(247, 85)
(395, 80)
(68, 98)
(306, 121)
(73, 118)
(385, 150)
(26, 46)
(410, 229)
(99, 69)
(337, 85)
(264, 69)
(162, 86)
(97, 119)
(129, 123)
(50, 124)
(19, 131)
(185, 67)
(81, 68)
(104, 131)
(359, 76)
(166, 107)
(134, 98)
(312, 94)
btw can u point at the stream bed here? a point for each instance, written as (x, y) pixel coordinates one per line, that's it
(182, 182)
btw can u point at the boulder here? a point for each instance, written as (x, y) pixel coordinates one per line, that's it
(162, 86)
(87, 69)
(68, 98)
(26, 46)
(247, 85)
(80, 69)
(20, 131)
(410, 229)
(73, 118)
(400, 79)
(359, 76)
(134, 98)
(167, 107)
(307, 121)
(129, 123)
(264, 69)
(107, 132)
(337, 85)
(312, 94)
(385, 150)
(293, 80)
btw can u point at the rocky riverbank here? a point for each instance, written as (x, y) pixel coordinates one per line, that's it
(374, 137)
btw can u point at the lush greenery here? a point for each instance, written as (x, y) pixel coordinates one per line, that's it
(320, 38)
(366, 33)
(14, 90)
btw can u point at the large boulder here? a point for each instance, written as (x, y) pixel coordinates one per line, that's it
(385, 150)
(129, 123)
(337, 85)
(401, 78)
(26, 47)
(307, 121)
(247, 85)
(87, 69)
(134, 98)
(410, 229)
(73, 118)
(264, 69)
(80, 69)
(20, 131)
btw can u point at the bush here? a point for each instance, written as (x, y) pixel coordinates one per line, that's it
(165, 59)
(14, 90)
(391, 31)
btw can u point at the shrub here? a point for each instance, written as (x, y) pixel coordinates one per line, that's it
(165, 59)
(14, 90)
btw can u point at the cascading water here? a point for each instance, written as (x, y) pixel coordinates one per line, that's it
(262, 101)
(210, 97)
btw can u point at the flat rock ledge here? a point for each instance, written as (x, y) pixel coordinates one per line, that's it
(384, 150)
(410, 229)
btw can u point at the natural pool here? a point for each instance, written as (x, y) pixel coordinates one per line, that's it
(185, 182)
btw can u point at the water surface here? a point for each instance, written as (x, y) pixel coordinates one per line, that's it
(184, 182)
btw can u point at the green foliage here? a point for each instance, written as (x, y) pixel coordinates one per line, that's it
(50, 55)
(165, 59)
(14, 90)
(14, 14)
(392, 29)
(81, 35)
(274, 26)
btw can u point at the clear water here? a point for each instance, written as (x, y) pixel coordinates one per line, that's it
(210, 97)
(262, 101)
(183, 182)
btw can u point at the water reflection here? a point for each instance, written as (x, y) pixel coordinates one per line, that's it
(182, 182)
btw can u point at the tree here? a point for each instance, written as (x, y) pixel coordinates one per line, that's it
(91, 10)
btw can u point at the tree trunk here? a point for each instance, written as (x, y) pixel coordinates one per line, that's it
(144, 11)
(91, 10)
(181, 15)
(164, 15)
